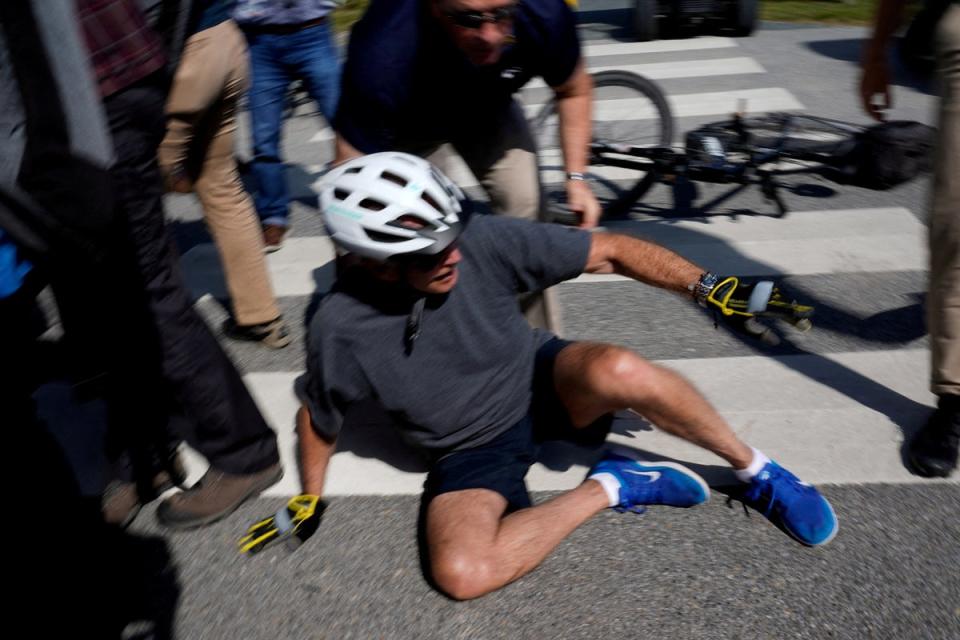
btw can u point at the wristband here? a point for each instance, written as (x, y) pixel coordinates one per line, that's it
(575, 175)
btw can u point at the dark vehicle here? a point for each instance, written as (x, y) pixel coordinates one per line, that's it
(653, 19)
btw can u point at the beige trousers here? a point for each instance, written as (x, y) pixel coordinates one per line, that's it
(201, 124)
(506, 166)
(943, 298)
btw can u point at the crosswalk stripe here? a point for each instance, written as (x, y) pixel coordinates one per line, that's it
(685, 105)
(802, 243)
(829, 418)
(590, 51)
(678, 69)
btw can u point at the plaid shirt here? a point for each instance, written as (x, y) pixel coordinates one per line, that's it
(123, 49)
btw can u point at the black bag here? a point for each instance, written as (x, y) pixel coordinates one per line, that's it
(890, 153)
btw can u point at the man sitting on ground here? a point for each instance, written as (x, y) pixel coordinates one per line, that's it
(425, 321)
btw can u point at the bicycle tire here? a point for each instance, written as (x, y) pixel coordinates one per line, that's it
(803, 136)
(645, 20)
(744, 19)
(629, 109)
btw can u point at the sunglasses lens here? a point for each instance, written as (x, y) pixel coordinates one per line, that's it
(469, 19)
(475, 19)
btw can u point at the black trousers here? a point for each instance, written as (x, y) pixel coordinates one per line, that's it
(223, 422)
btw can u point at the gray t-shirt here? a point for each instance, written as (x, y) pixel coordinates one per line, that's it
(467, 377)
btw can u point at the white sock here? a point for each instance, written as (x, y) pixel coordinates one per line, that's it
(610, 485)
(759, 461)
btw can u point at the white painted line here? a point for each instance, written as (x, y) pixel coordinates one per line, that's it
(830, 419)
(303, 266)
(803, 243)
(590, 51)
(719, 103)
(726, 102)
(677, 69)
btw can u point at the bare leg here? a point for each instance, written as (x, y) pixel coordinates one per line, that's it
(594, 379)
(474, 549)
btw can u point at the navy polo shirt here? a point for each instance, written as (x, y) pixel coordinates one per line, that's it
(406, 83)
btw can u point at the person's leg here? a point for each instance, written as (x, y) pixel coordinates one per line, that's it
(227, 207)
(475, 549)
(268, 90)
(228, 428)
(595, 379)
(314, 56)
(934, 451)
(197, 85)
(503, 157)
(504, 160)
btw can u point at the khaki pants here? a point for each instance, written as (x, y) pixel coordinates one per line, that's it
(201, 123)
(505, 164)
(943, 299)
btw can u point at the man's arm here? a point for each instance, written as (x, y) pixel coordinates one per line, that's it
(575, 108)
(344, 151)
(875, 80)
(315, 454)
(643, 261)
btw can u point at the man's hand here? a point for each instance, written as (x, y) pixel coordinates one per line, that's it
(875, 81)
(581, 200)
(741, 303)
(294, 523)
(875, 87)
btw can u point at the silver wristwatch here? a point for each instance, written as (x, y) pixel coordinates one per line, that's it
(702, 288)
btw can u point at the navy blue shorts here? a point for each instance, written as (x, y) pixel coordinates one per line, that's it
(502, 464)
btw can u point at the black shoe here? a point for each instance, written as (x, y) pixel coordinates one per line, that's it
(933, 452)
(273, 334)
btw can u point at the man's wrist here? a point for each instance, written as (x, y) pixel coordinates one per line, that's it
(701, 289)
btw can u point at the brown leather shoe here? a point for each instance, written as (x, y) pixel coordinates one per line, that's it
(216, 494)
(120, 503)
(273, 235)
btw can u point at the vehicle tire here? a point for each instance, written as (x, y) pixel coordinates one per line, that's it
(627, 109)
(645, 20)
(744, 18)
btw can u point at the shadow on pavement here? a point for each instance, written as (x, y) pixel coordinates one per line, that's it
(97, 581)
(892, 326)
(850, 51)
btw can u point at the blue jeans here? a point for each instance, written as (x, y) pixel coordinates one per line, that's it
(275, 61)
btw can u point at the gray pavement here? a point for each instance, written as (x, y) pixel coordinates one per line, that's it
(707, 572)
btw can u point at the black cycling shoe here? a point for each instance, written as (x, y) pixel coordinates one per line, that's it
(933, 452)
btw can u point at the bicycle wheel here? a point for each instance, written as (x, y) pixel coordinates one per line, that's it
(627, 109)
(802, 137)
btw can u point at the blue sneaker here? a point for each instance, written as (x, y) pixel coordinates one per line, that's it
(792, 505)
(645, 483)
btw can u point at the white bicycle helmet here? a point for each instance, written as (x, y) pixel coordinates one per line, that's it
(390, 204)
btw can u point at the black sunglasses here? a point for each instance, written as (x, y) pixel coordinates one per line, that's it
(476, 19)
(426, 262)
